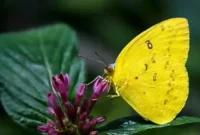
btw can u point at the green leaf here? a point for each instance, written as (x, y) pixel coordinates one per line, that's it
(28, 61)
(132, 125)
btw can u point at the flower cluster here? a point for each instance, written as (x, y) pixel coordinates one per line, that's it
(73, 118)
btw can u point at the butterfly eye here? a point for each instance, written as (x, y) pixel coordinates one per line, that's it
(109, 68)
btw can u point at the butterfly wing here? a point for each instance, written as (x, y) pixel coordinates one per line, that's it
(150, 72)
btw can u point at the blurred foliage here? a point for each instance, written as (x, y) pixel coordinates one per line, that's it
(30, 59)
(107, 26)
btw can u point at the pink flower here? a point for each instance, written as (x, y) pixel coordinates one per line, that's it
(75, 117)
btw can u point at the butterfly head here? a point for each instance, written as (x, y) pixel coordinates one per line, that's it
(109, 70)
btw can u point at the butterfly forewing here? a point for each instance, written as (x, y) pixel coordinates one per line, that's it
(150, 71)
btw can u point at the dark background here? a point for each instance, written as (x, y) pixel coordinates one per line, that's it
(106, 26)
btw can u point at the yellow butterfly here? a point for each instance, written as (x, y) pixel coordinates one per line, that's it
(150, 73)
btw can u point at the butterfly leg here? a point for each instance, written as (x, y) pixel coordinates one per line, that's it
(94, 80)
(114, 96)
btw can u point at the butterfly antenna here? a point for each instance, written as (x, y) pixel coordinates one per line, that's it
(105, 63)
(92, 59)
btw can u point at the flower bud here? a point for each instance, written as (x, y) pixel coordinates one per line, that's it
(92, 123)
(70, 107)
(61, 84)
(84, 105)
(94, 133)
(100, 119)
(106, 87)
(80, 93)
(53, 101)
(96, 83)
(51, 111)
(54, 104)
(100, 87)
(70, 111)
(43, 129)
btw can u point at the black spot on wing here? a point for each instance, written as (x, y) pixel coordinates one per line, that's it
(154, 77)
(149, 44)
(146, 67)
